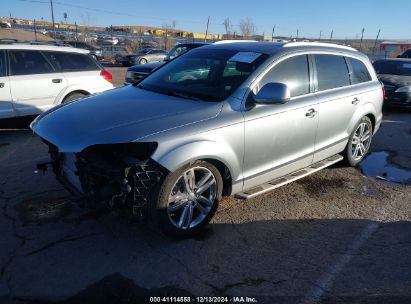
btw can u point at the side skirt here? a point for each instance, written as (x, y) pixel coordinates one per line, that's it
(281, 181)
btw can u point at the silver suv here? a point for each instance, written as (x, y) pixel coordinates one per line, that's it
(236, 118)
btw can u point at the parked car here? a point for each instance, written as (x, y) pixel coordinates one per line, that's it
(406, 54)
(138, 72)
(95, 52)
(114, 51)
(395, 74)
(144, 56)
(239, 118)
(35, 78)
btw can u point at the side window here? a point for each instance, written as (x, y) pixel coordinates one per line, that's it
(24, 62)
(2, 64)
(359, 71)
(71, 62)
(332, 72)
(294, 72)
(407, 54)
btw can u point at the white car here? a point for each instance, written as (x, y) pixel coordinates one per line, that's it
(35, 78)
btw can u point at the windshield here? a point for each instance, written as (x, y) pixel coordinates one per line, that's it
(392, 67)
(176, 51)
(205, 74)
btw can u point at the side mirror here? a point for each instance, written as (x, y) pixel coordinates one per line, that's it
(273, 93)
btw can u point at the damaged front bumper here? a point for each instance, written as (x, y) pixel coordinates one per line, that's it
(118, 174)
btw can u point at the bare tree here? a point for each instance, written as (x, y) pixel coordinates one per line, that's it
(228, 26)
(247, 27)
(169, 29)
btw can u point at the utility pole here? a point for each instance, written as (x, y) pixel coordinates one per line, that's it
(331, 36)
(35, 30)
(321, 33)
(362, 36)
(208, 22)
(376, 40)
(75, 24)
(296, 39)
(272, 34)
(52, 17)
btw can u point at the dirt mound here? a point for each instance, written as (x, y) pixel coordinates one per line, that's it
(22, 35)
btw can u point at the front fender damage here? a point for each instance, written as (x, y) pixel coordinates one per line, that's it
(118, 175)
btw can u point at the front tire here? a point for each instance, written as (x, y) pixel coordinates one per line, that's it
(187, 199)
(359, 142)
(143, 61)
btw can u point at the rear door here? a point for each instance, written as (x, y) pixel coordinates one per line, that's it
(6, 106)
(35, 85)
(80, 70)
(339, 104)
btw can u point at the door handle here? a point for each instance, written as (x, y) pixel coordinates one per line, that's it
(57, 80)
(355, 100)
(1, 85)
(311, 113)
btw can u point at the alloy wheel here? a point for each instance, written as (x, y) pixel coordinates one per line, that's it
(361, 141)
(192, 198)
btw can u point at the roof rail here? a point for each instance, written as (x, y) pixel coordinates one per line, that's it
(233, 41)
(324, 44)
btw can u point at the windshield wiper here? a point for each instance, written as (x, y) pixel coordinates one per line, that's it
(169, 93)
(182, 95)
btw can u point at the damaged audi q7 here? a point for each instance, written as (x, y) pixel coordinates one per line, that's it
(234, 118)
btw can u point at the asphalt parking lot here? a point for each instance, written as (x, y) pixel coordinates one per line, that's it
(336, 236)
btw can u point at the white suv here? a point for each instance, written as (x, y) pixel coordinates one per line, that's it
(35, 78)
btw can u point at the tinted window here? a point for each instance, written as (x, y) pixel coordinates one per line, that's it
(359, 71)
(294, 72)
(2, 64)
(393, 67)
(407, 54)
(332, 72)
(28, 62)
(71, 62)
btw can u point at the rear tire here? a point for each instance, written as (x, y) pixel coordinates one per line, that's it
(142, 61)
(73, 96)
(359, 142)
(181, 206)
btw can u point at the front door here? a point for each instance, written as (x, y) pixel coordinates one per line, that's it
(279, 139)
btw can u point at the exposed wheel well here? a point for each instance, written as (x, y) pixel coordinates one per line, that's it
(75, 92)
(372, 118)
(225, 174)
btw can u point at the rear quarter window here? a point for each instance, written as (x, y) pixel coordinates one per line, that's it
(359, 72)
(72, 62)
(332, 72)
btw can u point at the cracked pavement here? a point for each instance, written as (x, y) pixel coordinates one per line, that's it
(333, 235)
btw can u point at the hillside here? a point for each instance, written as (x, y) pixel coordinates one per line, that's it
(22, 35)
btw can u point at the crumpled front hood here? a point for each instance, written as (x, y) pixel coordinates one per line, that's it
(395, 80)
(118, 116)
